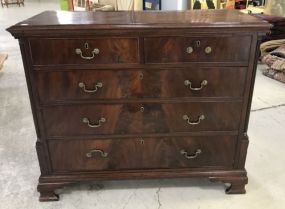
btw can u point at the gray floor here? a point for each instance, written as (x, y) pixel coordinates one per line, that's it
(19, 167)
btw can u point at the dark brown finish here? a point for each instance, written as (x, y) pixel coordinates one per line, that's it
(60, 86)
(63, 51)
(142, 153)
(213, 19)
(174, 49)
(152, 95)
(140, 118)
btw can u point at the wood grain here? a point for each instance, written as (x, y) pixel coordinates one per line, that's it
(173, 49)
(142, 153)
(129, 119)
(143, 65)
(140, 84)
(62, 51)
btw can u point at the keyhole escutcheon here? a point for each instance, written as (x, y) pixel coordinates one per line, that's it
(86, 45)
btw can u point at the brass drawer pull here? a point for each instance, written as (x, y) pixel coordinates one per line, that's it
(191, 156)
(189, 50)
(94, 52)
(96, 87)
(208, 50)
(201, 117)
(100, 122)
(202, 85)
(90, 154)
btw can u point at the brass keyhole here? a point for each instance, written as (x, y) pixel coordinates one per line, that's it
(141, 76)
(86, 46)
(141, 141)
(198, 43)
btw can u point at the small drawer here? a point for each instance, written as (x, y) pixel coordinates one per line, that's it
(124, 84)
(142, 153)
(138, 118)
(197, 49)
(84, 51)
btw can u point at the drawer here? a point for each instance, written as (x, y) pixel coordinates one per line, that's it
(82, 51)
(138, 153)
(124, 84)
(197, 49)
(138, 118)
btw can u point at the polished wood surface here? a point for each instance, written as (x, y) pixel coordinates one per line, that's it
(174, 49)
(59, 86)
(123, 95)
(140, 118)
(58, 51)
(211, 18)
(142, 153)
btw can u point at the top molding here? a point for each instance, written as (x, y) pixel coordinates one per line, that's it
(190, 19)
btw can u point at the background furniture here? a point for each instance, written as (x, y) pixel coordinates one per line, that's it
(204, 4)
(92, 5)
(105, 5)
(8, 2)
(151, 4)
(111, 99)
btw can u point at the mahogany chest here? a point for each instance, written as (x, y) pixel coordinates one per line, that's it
(129, 95)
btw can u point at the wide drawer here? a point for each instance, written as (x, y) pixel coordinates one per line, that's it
(123, 84)
(138, 153)
(138, 118)
(197, 49)
(82, 51)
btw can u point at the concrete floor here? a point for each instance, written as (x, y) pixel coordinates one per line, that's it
(19, 169)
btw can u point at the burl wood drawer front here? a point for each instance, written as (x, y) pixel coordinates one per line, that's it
(197, 49)
(139, 118)
(116, 84)
(138, 153)
(81, 51)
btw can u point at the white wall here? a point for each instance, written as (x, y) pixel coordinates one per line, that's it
(173, 4)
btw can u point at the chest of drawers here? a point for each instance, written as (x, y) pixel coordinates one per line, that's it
(128, 95)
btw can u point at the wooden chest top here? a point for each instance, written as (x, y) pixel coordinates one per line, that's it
(60, 20)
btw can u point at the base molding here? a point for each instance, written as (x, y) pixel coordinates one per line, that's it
(48, 197)
(47, 191)
(48, 184)
(237, 183)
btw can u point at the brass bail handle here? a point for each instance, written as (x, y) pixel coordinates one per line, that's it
(202, 85)
(94, 125)
(94, 52)
(97, 86)
(190, 156)
(187, 118)
(91, 153)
